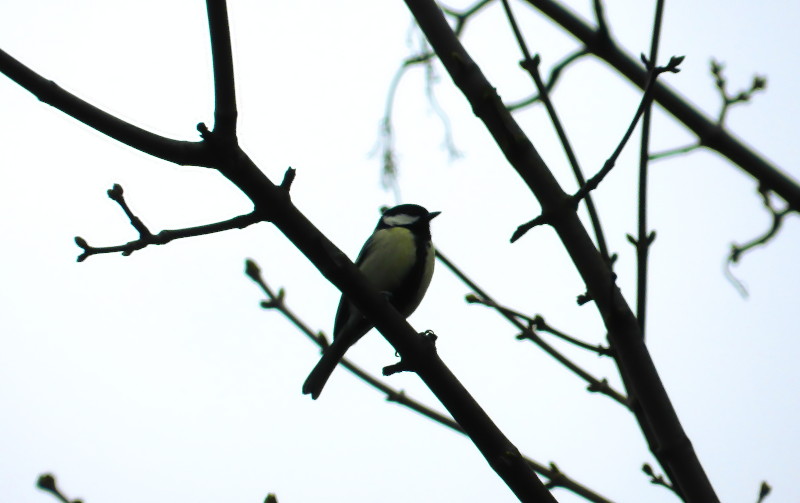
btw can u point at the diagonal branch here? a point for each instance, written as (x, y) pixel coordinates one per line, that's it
(47, 91)
(221, 150)
(531, 65)
(47, 483)
(708, 132)
(649, 400)
(595, 385)
(537, 322)
(571, 204)
(276, 300)
(147, 238)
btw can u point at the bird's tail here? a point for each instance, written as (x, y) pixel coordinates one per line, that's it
(319, 376)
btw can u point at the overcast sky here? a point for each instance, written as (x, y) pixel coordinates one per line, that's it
(157, 377)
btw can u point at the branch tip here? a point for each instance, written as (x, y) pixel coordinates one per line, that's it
(46, 482)
(203, 130)
(763, 491)
(288, 178)
(251, 269)
(115, 192)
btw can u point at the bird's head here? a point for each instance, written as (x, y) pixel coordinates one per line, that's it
(407, 215)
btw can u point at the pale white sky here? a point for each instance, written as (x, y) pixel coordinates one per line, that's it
(157, 377)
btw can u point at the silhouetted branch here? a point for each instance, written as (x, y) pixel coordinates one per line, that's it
(276, 300)
(649, 400)
(759, 84)
(738, 250)
(531, 65)
(147, 238)
(47, 483)
(728, 100)
(763, 492)
(659, 480)
(537, 322)
(220, 150)
(675, 151)
(709, 134)
(47, 91)
(225, 113)
(645, 238)
(777, 219)
(594, 384)
(552, 79)
(571, 203)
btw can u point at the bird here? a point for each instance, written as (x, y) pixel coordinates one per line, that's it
(398, 260)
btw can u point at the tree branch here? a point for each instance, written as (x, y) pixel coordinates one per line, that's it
(594, 384)
(645, 239)
(709, 133)
(147, 238)
(47, 91)
(47, 483)
(221, 151)
(649, 400)
(276, 300)
(531, 65)
(225, 113)
(571, 204)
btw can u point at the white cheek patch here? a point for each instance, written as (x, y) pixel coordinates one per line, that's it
(399, 220)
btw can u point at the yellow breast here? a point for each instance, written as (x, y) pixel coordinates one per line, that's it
(392, 255)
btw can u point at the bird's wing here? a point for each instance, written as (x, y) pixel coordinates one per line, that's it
(345, 307)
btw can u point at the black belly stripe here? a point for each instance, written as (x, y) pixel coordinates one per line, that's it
(408, 290)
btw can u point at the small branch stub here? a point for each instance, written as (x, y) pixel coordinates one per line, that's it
(402, 365)
(288, 178)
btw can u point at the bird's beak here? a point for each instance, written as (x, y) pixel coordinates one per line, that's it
(433, 214)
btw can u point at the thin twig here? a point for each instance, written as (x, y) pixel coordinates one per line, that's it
(537, 322)
(659, 480)
(531, 65)
(385, 145)
(738, 250)
(763, 491)
(47, 483)
(555, 73)
(730, 99)
(657, 156)
(147, 238)
(594, 182)
(595, 385)
(645, 239)
(709, 134)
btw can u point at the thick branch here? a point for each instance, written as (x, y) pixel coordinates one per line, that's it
(277, 301)
(501, 454)
(709, 133)
(47, 91)
(650, 402)
(225, 113)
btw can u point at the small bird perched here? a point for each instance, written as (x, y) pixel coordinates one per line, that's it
(398, 260)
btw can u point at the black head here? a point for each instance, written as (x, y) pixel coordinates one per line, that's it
(411, 216)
